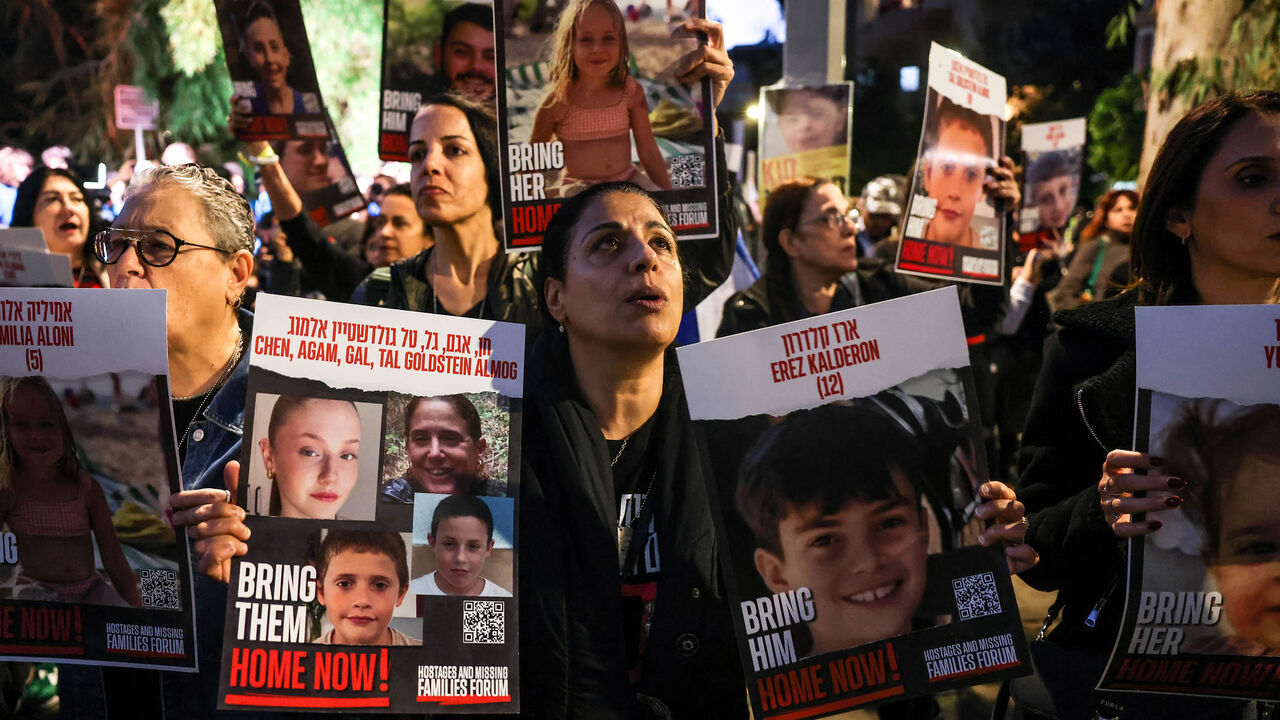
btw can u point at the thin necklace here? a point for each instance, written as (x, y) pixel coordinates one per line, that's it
(619, 455)
(226, 370)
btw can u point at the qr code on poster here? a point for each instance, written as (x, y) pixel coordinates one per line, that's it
(160, 589)
(976, 596)
(483, 621)
(686, 171)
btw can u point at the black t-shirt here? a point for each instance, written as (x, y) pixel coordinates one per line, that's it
(633, 476)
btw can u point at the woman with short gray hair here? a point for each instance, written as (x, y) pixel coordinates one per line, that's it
(184, 229)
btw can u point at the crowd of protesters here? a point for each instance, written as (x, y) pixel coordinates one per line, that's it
(1053, 348)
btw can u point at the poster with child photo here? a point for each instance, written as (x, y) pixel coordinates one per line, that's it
(379, 474)
(848, 486)
(1200, 609)
(805, 131)
(269, 59)
(950, 230)
(91, 571)
(431, 47)
(1053, 154)
(588, 94)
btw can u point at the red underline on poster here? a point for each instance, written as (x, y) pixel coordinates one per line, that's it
(527, 241)
(923, 268)
(839, 704)
(264, 700)
(688, 227)
(979, 275)
(42, 649)
(1203, 689)
(146, 653)
(467, 700)
(977, 671)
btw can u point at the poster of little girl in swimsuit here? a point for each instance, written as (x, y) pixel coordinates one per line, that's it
(587, 94)
(1202, 612)
(91, 571)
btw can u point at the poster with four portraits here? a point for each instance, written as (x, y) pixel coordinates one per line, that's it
(846, 456)
(379, 472)
(91, 571)
(431, 47)
(950, 229)
(587, 94)
(1201, 608)
(805, 131)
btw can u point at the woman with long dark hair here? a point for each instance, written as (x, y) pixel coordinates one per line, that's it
(53, 200)
(1204, 234)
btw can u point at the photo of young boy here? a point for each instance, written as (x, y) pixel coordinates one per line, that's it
(834, 497)
(461, 541)
(361, 577)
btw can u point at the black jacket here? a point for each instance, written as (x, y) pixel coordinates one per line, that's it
(752, 309)
(327, 268)
(981, 306)
(573, 656)
(1081, 409)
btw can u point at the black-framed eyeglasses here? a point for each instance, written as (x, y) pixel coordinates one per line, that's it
(156, 248)
(834, 219)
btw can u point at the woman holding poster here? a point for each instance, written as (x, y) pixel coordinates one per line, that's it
(1203, 235)
(184, 229)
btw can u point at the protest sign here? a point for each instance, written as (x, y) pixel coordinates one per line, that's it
(1053, 153)
(133, 110)
(269, 59)
(1199, 618)
(91, 572)
(846, 455)
(567, 122)
(804, 131)
(377, 443)
(950, 230)
(25, 261)
(319, 171)
(429, 48)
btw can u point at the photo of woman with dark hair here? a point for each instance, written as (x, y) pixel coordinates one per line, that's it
(445, 449)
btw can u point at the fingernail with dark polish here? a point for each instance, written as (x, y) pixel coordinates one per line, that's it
(1155, 525)
(1177, 483)
(1173, 501)
(1154, 461)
